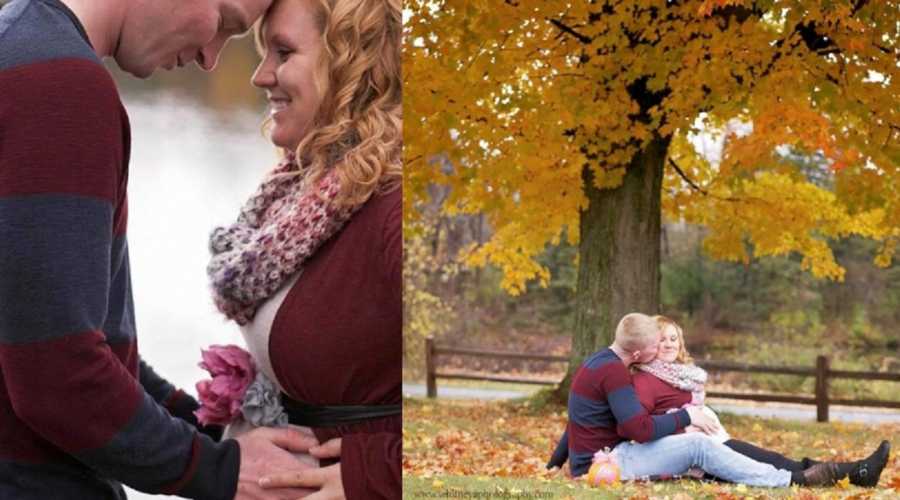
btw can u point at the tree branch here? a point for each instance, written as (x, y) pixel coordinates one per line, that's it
(686, 178)
(702, 191)
(883, 49)
(571, 31)
(859, 5)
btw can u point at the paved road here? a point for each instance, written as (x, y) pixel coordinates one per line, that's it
(768, 410)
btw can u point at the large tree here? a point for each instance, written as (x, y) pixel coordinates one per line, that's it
(568, 118)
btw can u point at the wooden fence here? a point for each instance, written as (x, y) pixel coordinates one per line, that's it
(821, 371)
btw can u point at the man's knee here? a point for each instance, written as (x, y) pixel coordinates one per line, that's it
(695, 448)
(699, 441)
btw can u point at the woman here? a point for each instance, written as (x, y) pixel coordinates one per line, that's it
(668, 379)
(311, 269)
(672, 381)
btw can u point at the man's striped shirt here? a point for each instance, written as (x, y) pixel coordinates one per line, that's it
(79, 411)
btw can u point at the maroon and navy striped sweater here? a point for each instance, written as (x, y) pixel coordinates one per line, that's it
(604, 411)
(79, 411)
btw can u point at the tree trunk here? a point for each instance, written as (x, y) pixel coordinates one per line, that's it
(619, 254)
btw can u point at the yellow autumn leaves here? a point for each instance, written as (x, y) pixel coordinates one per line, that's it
(507, 102)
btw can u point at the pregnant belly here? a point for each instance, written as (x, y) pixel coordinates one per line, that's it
(240, 427)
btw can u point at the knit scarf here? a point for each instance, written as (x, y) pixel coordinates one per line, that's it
(281, 226)
(682, 376)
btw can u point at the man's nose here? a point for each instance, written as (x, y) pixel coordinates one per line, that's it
(209, 55)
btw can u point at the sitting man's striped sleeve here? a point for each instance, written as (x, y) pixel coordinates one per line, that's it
(632, 420)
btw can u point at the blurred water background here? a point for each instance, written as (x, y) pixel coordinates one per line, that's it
(197, 153)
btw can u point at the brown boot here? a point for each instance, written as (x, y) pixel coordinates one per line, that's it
(825, 474)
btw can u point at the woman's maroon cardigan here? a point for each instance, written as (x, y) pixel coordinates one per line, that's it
(336, 340)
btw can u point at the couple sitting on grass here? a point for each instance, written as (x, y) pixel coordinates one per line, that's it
(653, 425)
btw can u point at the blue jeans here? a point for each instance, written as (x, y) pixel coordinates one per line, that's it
(674, 455)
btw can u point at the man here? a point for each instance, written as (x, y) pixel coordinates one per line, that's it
(605, 413)
(80, 413)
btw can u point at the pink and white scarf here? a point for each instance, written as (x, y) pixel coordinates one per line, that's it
(687, 377)
(279, 228)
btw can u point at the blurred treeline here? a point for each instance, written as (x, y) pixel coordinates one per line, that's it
(226, 88)
(768, 311)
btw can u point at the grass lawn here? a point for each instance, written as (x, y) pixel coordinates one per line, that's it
(465, 449)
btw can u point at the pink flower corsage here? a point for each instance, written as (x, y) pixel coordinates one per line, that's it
(232, 373)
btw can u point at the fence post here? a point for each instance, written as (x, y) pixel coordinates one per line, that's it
(822, 388)
(430, 379)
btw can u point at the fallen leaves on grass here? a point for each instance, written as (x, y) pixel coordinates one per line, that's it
(489, 440)
(894, 482)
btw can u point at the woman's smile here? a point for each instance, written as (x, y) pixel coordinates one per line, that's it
(278, 104)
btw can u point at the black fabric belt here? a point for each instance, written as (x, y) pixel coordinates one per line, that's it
(308, 415)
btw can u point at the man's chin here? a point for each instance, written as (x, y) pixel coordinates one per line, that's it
(141, 72)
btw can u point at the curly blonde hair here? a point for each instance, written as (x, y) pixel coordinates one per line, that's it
(358, 128)
(683, 355)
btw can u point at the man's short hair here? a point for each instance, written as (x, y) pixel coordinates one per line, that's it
(636, 332)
